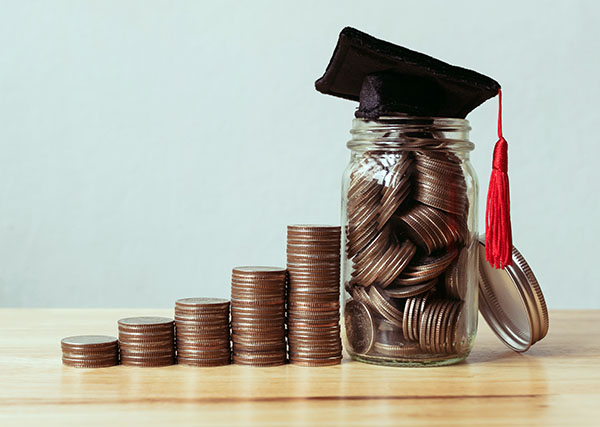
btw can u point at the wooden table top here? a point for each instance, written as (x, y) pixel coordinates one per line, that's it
(556, 382)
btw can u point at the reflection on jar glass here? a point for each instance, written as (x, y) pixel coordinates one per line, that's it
(409, 212)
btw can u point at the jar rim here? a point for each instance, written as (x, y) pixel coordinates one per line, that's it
(405, 132)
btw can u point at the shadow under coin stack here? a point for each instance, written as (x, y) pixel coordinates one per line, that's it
(90, 351)
(202, 326)
(147, 341)
(313, 262)
(258, 316)
(407, 241)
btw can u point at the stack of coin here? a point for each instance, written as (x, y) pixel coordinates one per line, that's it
(313, 262)
(407, 224)
(363, 203)
(202, 326)
(440, 182)
(431, 229)
(456, 280)
(90, 351)
(147, 341)
(439, 327)
(258, 316)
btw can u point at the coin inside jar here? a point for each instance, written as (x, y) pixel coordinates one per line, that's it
(360, 328)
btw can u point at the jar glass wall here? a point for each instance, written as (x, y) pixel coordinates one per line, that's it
(409, 211)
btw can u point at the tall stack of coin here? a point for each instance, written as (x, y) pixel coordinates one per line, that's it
(313, 262)
(202, 326)
(258, 316)
(147, 341)
(90, 351)
(406, 243)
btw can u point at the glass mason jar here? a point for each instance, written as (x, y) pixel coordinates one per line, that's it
(409, 216)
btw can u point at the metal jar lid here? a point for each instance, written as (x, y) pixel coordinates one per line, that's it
(512, 302)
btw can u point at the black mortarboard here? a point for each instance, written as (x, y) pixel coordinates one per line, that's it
(387, 78)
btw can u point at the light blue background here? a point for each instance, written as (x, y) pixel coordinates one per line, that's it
(146, 147)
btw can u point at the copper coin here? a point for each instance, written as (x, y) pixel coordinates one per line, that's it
(421, 303)
(384, 307)
(246, 337)
(258, 271)
(204, 342)
(396, 264)
(206, 354)
(79, 357)
(448, 327)
(314, 228)
(424, 269)
(148, 363)
(147, 358)
(431, 324)
(360, 328)
(314, 362)
(146, 335)
(369, 274)
(145, 323)
(208, 337)
(424, 319)
(456, 276)
(406, 318)
(89, 342)
(436, 342)
(202, 303)
(205, 316)
(259, 282)
(259, 364)
(146, 345)
(396, 187)
(409, 291)
(312, 335)
(401, 349)
(437, 199)
(105, 363)
(315, 354)
(259, 356)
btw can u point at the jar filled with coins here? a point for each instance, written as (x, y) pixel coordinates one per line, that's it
(410, 241)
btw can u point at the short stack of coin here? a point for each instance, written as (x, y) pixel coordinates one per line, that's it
(90, 351)
(258, 316)
(202, 326)
(147, 341)
(313, 262)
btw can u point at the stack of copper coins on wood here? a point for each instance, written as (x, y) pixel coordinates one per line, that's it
(258, 316)
(407, 239)
(90, 351)
(147, 341)
(313, 263)
(202, 326)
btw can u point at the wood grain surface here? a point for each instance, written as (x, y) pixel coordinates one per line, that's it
(556, 382)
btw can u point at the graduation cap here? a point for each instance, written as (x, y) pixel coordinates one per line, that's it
(387, 79)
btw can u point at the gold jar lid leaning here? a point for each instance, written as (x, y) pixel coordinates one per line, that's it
(511, 301)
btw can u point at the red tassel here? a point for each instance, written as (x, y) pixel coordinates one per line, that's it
(498, 233)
